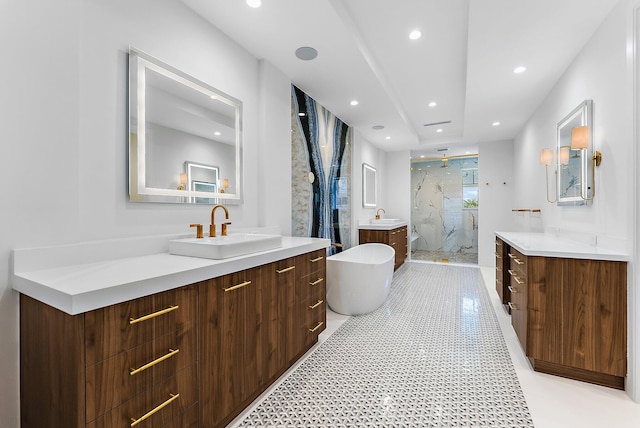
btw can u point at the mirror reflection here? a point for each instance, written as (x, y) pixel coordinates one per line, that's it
(184, 137)
(573, 171)
(368, 186)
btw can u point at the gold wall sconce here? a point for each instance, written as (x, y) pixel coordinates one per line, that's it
(183, 181)
(580, 136)
(224, 185)
(546, 159)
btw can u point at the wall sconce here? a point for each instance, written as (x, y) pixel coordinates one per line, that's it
(183, 181)
(225, 185)
(580, 141)
(546, 159)
(563, 155)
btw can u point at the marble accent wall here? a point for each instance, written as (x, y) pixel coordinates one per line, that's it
(444, 205)
(321, 172)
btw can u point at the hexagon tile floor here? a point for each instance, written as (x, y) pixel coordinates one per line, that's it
(432, 356)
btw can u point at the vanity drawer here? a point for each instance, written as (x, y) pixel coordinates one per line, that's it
(313, 262)
(170, 400)
(315, 321)
(114, 381)
(518, 262)
(117, 328)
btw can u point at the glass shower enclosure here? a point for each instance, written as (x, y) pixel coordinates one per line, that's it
(444, 209)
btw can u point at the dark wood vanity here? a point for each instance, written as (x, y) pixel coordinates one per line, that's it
(395, 237)
(193, 356)
(570, 314)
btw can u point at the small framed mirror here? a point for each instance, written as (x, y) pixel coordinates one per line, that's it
(179, 127)
(369, 186)
(574, 174)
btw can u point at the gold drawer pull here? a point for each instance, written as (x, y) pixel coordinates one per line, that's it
(511, 272)
(512, 307)
(286, 269)
(317, 259)
(171, 353)
(311, 330)
(518, 261)
(498, 256)
(499, 281)
(235, 287)
(511, 256)
(317, 304)
(135, 422)
(516, 279)
(512, 289)
(318, 281)
(499, 269)
(153, 315)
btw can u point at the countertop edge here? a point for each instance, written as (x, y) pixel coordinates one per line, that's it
(573, 249)
(191, 270)
(374, 226)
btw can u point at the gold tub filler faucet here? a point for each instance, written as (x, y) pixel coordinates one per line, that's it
(212, 226)
(378, 213)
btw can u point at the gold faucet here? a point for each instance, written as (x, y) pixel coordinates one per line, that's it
(212, 227)
(378, 213)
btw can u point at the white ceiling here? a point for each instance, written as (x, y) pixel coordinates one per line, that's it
(464, 60)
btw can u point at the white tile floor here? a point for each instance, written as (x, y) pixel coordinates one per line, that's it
(553, 402)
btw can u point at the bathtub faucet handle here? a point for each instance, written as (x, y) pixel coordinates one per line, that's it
(378, 213)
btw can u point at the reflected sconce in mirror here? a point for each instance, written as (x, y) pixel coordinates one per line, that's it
(580, 141)
(224, 185)
(546, 159)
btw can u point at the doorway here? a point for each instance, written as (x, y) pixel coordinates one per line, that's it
(444, 209)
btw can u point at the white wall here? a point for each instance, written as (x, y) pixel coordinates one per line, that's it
(601, 72)
(495, 191)
(64, 132)
(396, 185)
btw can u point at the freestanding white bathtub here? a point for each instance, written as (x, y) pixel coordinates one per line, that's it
(359, 279)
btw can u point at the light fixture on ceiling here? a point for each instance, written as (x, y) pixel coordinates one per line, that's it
(495, 124)
(415, 34)
(439, 130)
(433, 104)
(444, 162)
(254, 3)
(387, 137)
(353, 102)
(444, 122)
(520, 69)
(377, 127)
(306, 53)
(217, 133)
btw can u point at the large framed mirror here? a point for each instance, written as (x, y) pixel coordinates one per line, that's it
(369, 186)
(574, 174)
(180, 127)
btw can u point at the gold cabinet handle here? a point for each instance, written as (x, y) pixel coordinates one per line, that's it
(153, 315)
(235, 287)
(316, 282)
(286, 269)
(518, 261)
(317, 304)
(498, 268)
(171, 353)
(512, 289)
(311, 330)
(317, 259)
(498, 256)
(512, 307)
(173, 397)
(511, 272)
(499, 281)
(516, 279)
(511, 256)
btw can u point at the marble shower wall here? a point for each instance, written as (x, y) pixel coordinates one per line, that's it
(321, 172)
(440, 218)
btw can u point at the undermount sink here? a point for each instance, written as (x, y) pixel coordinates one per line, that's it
(223, 247)
(385, 220)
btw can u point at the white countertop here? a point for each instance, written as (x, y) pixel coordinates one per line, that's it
(382, 226)
(87, 285)
(547, 245)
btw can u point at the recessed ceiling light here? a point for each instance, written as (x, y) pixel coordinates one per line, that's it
(254, 3)
(421, 156)
(439, 130)
(306, 53)
(216, 133)
(354, 102)
(377, 127)
(520, 69)
(415, 34)
(387, 137)
(433, 104)
(496, 123)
